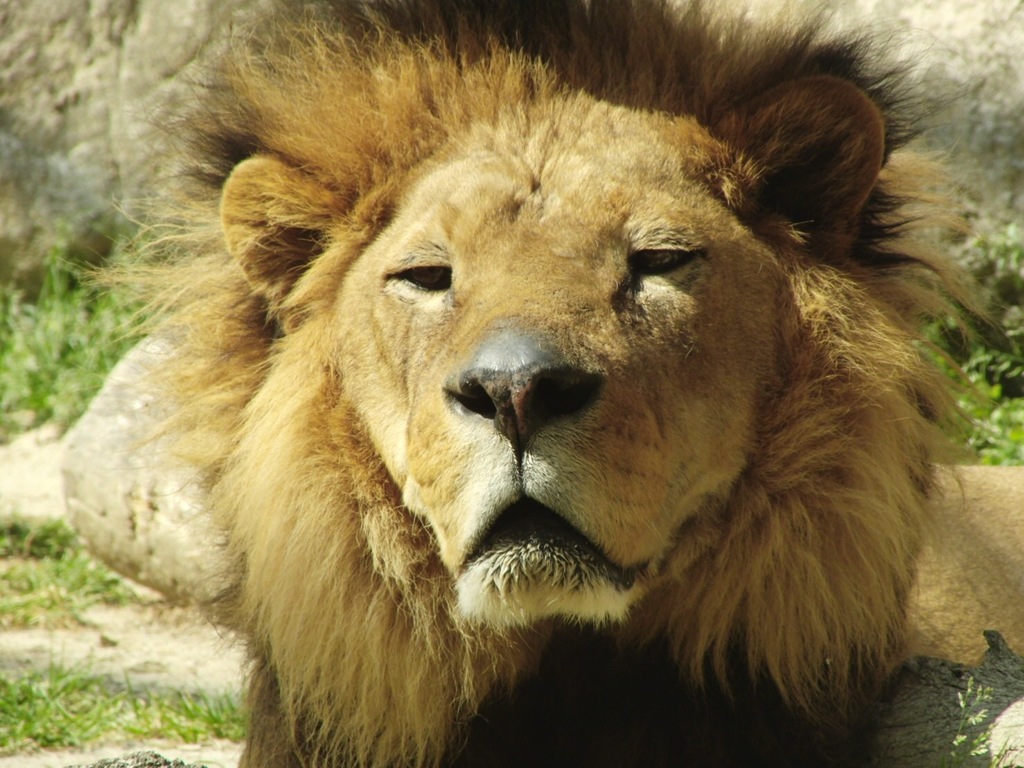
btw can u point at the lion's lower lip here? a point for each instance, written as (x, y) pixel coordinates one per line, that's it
(532, 529)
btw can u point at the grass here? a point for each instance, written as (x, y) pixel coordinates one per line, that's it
(970, 741)
(56, 592)
(975, 730)
(64, 707)
(56, 351)
(47, 580)
(51, 539)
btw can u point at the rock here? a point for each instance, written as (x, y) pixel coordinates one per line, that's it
(46, 203)
(139, 760)
(134, 507)
(936, 701)
(79, 87)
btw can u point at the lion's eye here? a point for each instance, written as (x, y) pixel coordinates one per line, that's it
(658, 261)
(436, 278)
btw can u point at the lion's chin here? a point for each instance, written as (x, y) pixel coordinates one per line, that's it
(531, 564)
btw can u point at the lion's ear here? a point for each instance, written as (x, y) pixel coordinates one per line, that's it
(274, 219)
(817, 145)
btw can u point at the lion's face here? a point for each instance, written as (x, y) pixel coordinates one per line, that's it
(614, 319)
(558, 346)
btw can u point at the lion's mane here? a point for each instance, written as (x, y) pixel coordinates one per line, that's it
(798, 582)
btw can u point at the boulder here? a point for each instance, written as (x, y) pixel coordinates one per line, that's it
(140, 760)
(133, 506)
(80, 83)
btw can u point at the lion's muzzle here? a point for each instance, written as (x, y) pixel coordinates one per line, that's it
(525, 561)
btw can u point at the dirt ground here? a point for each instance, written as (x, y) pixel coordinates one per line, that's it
(149, 645)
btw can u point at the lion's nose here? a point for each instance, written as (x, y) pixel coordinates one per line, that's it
(521, 384)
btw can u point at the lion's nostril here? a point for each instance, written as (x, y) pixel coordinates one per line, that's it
(521, 385)
(474, 398)
(565, 393)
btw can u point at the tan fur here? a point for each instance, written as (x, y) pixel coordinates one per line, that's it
(760, 452)
(971, 576)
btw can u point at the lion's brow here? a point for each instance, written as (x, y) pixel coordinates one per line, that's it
(417, 254)
(661, 236)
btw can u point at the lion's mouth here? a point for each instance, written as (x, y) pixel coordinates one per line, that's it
(528, 541)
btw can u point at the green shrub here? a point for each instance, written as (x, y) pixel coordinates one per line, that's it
(990, 353)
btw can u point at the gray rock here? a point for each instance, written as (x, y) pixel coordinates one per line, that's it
(139, 760)
(935, 701)
(48, 203)
(134, 507)
(79, 86)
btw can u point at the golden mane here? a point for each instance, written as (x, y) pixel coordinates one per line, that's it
(799, 578)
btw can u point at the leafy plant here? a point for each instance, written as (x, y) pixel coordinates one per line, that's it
(972, 714)
(990, 353)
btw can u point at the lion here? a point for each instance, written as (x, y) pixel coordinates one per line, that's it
(556, 372)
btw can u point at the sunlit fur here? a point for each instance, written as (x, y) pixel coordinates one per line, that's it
(796, 573)
(503, 594)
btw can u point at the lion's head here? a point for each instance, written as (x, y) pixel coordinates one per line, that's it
(586, 334)
(519, 325)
